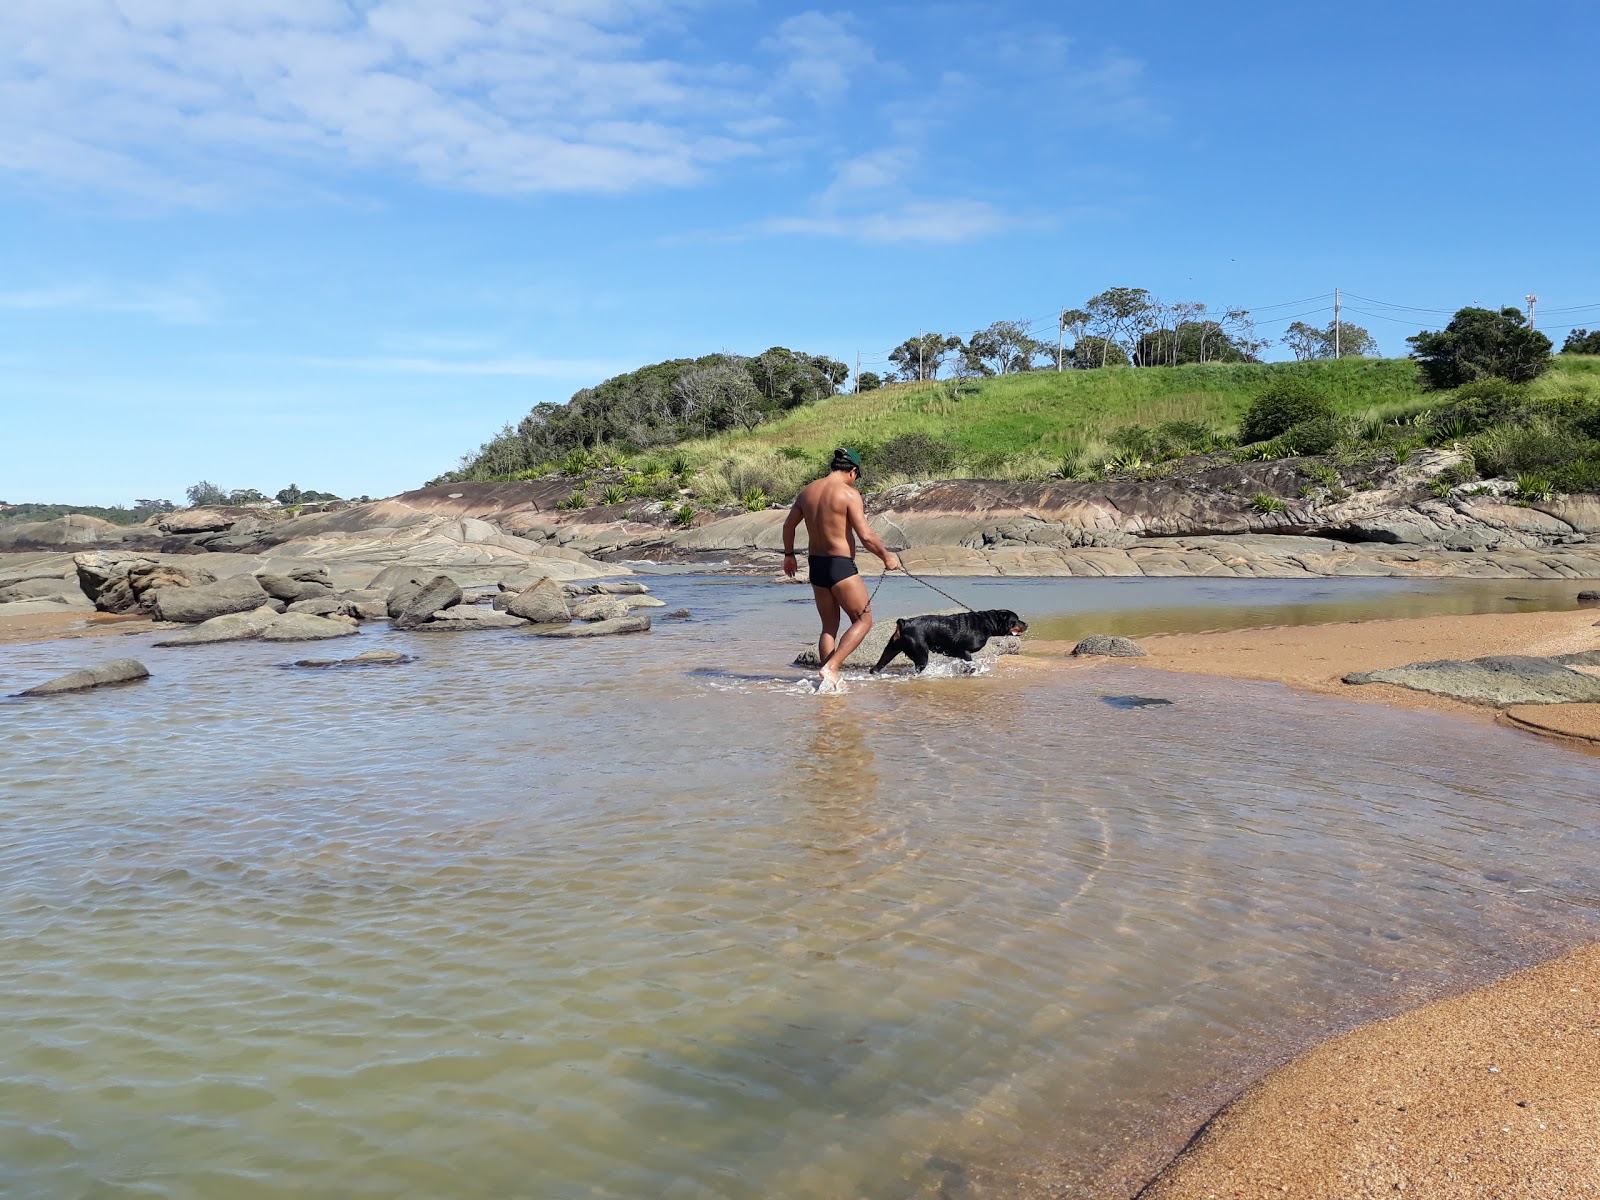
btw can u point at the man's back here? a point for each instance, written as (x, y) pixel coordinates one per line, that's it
(826, 505)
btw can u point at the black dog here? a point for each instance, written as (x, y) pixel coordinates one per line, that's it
(955, 635)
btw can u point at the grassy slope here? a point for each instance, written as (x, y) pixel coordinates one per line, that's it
(1047, 412)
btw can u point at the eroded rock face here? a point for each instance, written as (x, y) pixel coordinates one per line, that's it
(600, 608)
(299, 583)
(201, 602)
(194, 520)
(121, 670)
(1102, 644)
(124, 583)
(1500, 680)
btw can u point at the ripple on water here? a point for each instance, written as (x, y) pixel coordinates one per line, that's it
(575, 921)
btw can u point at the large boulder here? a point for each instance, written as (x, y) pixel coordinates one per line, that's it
(296, 584)
(265, 624)
(418, 608)
(367, 658)
(543, 602)
(39, 589)
(121, 670)
(600, 608)
(122, 583)
(191, 605)
(1500, 680)
(305, 627)
(597, 629)
(194, 520)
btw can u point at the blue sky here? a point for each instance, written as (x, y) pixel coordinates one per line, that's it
(341, 242)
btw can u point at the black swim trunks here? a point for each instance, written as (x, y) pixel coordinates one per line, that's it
(829, 569)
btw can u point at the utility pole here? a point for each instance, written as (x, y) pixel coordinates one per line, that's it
(1532, 300)
(1336, 322)
(919, 355)
(858, 372)
(1061, 340)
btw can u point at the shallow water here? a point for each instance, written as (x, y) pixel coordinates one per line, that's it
(644, 918)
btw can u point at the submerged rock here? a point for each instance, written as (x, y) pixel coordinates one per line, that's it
(1102, 644)
(598, 628)
(1137, 701)
(467, 617)
(120, 670)
(367, 658)
(264, 623)
(1500, 680)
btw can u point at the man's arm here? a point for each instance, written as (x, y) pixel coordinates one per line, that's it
(858, 522)
(790, 524)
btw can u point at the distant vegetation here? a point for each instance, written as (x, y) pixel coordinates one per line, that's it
(992, 405)
(117, 514)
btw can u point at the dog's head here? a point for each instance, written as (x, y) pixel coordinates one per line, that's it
(1003, 621)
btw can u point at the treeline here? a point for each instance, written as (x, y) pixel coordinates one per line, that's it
(117, 514)
(206, 494)
(658, 405)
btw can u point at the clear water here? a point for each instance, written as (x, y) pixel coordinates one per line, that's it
(642, 917)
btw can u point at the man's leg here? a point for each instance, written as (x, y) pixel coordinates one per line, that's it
(828, 610)
(850, 595)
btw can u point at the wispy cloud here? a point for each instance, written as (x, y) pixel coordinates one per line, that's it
(159, 97)
(176, 306)
(821, 53)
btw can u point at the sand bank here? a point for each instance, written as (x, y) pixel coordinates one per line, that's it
(44, 627)
(1494, 1093)
(1317, 657)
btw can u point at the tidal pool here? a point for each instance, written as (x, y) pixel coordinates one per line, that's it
(643, 917)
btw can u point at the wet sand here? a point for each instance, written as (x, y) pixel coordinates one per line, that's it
(1494, 1093)
(45, 627)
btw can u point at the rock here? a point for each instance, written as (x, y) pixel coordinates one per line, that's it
(620, 587)
(103, 577)
(39, 589)
(642, 601)
(367, 658)
(25, 574)
(598, 628)
(681, 614)
(401, 596)
(1590, 597)
(1108, 646)
(194, 520)
(304, 627)
(292, 590)
(201, 602)
(600, 608)
(464, 618)
(543, 603)
(414, 610)
(146, 578)
(326, 606)
(390, 578)
(233, 627)
(120, 670)
(1498, 680)
(1136, 701)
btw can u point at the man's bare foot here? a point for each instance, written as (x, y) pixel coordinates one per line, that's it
(828, 681)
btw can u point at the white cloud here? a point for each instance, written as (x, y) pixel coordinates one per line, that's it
(163, 97)
(822, 54)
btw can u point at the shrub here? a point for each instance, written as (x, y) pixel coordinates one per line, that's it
(1324, 474)
(613, 494)
(576, 462)
(1582, 475)
(1479, 343)
(574, 501)
(1262, 502)
(1316, 436)
(1287, 402)
(793, 453)
(1533, 487)
(684, 515)
(916, 455)
(754, 500)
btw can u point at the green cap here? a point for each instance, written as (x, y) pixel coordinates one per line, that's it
(851, 455)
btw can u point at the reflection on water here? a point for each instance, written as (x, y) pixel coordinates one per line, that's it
(645, 917)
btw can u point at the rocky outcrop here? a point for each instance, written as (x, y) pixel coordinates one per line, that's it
(467, 617)
(194, 520)
(1499, 680)
(121, 670)
(201, 602)
(123, 583)
(72, 530)
(600, 608)
(298, 583)
(1107, 646)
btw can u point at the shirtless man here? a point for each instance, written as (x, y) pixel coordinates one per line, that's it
(834, 516)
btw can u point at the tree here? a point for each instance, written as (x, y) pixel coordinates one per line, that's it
(1091, 353)
(204, 494)
(152, 506)
(868, 381)
(1581, 341)
(290, 495)
(1112, 312)
(243, 496)
(1481, 344)
(1345, 341)
(1194, 341)
(920, 357)
(1005, 348)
